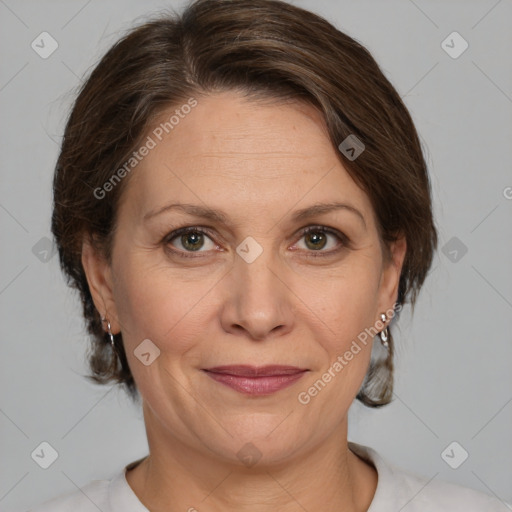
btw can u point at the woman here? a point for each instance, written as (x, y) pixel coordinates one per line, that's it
(242, 201)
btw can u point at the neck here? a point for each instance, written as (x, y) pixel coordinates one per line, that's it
(178, 477)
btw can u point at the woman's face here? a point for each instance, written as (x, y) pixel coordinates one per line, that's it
(246, 286)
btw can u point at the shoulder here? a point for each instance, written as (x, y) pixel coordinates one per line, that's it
(114, 495)
(401, 490)
(90, 498)
(424, 494)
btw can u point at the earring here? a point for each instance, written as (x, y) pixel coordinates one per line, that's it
(384, 334)
(104, 319)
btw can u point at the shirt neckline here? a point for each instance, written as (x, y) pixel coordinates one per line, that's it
(122, 497)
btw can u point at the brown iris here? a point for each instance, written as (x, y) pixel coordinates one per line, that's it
(192, 241)
(315, 240)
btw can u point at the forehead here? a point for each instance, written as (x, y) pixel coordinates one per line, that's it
(244, 155)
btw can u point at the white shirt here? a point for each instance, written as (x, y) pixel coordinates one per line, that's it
(396, 491)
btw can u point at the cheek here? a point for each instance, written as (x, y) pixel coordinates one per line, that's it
(346, 300)
(346, 307)
(154, 303)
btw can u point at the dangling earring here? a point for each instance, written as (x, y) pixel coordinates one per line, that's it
(104, 319)
(384, 334)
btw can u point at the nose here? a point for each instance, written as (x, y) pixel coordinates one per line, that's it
(258, 302)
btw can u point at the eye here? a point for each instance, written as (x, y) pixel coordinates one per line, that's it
(191, 239)
(317, 239)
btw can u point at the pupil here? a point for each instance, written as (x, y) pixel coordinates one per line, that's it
(315, 237)
(190, 241)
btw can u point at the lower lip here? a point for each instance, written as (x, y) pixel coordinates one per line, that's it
(256, 385)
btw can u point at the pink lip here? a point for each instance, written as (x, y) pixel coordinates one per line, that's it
(252, 380)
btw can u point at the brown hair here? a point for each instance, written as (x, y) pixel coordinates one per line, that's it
(264, 48)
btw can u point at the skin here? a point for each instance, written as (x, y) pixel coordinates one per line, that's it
(259, 163)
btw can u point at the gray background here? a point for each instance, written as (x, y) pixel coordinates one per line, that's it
(453, 378)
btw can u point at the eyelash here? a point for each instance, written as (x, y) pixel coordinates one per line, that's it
(345, 242)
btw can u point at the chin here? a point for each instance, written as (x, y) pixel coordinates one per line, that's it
(261, 439)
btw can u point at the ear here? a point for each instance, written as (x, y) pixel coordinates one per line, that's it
(99, 278)
(390, 277)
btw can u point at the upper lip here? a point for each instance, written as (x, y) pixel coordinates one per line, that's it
(256, 371)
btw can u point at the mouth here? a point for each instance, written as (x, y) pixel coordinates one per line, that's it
(254, 380)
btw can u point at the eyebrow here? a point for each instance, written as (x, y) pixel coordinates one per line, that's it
(221, 217)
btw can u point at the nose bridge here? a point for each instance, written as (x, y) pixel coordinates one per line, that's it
(255, 271)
